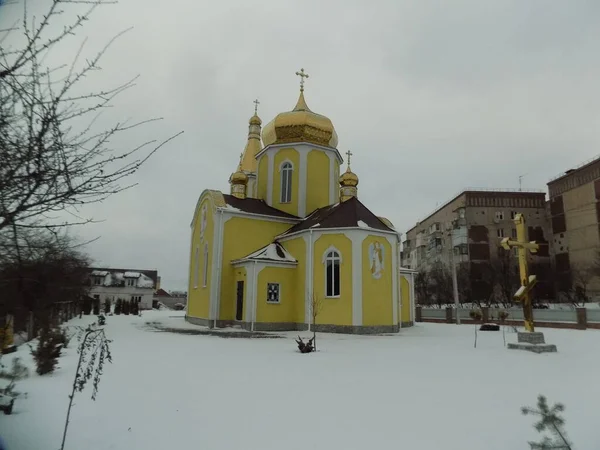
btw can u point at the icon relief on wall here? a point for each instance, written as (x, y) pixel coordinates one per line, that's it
(376, 258)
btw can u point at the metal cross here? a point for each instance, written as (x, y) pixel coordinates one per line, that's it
(256, 103)
(349, 155)
(527, 281)
(302, 76)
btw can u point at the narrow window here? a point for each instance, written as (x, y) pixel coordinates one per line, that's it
(500, 232)
(205, 279)
(332, 274)
(286, 182)
(196, 267)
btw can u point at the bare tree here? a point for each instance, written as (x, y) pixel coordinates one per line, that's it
(54, 155)
(423, 287)
(39, 269)
(577, 293)
(316, 306)
(441, 283)
(505, 273)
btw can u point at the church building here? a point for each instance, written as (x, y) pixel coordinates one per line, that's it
(292, 238)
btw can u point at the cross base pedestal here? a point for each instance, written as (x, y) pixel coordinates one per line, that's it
(532, 342)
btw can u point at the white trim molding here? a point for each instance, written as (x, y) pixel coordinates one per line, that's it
(357, 306)
(270, 170)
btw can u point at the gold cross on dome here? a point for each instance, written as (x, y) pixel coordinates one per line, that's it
(302, 76)
(256, 103)
(349, 155)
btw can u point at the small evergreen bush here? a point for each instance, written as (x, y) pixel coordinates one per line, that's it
(49, 347)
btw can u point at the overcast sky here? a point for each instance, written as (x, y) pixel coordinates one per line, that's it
(430, 96)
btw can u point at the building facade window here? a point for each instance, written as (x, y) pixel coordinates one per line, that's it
(332, 273)
(513, 233)
(205, 266)
(500, 232)
(286, 182)
(513, 214)
(273, 293)
(196, 266)
(130, 282)
(499, 215)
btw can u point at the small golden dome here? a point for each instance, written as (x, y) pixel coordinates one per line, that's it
(300, 125)
(238, 177)
(255, 120)
(349, 178)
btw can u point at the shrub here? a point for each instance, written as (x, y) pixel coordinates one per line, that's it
(118, 306)
(96, 306)
(50, 345)
(106, 306)
(475, 314)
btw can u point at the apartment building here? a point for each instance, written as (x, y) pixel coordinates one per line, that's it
(575, 220)
(473, 223)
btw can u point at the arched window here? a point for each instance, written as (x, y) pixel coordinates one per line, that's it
(196, 267)
(332, 273)
(205, 279)
(286, 182)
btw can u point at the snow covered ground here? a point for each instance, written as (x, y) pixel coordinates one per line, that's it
(425, 388)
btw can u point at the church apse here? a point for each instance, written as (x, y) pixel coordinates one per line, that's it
(377, 275)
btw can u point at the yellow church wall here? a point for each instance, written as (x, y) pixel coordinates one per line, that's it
(285, 309)
(317, 185)
(263, 178)
(377, 294)
(334, 311)
(282, 155)
(297, 248)
(242, 236)
(199, 296)
(405, 296)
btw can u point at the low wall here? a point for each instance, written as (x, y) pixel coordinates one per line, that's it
(577, 318)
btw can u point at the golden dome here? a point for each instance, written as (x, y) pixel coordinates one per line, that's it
(255, 120)
(238, 177)
(349, 178)
(300, 125)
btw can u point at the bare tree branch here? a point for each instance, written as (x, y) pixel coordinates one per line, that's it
(49, 162)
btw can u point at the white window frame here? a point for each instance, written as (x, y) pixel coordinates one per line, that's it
(196, 267)
(513, 214)
(500, 232)
(499, 215)
(270, 302)
(286, 169)
(130, 282)
(336, 257)
(205, 264)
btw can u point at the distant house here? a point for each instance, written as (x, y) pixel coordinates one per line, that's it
(170, 300)
(125, 284)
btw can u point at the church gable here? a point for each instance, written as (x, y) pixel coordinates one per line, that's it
(272, 253)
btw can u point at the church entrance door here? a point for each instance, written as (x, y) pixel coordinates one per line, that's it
(240, 301)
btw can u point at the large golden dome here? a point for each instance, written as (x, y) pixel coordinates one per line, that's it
(300, 125)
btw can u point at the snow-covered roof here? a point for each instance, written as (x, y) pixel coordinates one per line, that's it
(273, 252)
(132, 274)
(116, 277)
(99, 273)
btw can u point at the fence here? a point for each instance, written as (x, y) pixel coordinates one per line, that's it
(577, 318)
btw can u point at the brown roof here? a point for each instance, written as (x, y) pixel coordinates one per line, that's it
(346, 214)
(255, 206)
(162, 293)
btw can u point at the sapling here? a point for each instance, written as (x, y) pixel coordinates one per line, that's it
(550, 421)
(94, 351)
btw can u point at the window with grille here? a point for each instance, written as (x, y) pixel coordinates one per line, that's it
(273, 292)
